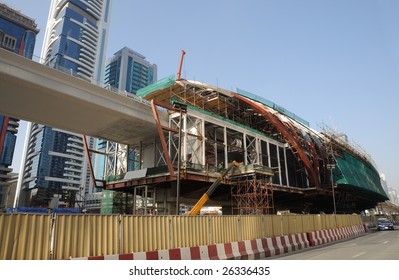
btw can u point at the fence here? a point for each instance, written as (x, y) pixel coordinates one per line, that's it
(44, 237)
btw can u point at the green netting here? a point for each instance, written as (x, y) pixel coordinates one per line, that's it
(161, 84)
(114, 202)
(107, 202)
(113, 178)
(272, 105)
(353, 172)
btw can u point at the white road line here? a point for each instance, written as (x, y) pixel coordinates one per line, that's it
(385, 242)
(358, 255)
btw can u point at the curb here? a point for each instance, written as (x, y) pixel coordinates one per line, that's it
(242, 250)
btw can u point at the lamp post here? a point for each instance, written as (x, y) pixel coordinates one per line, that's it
(331, 165)
(182, 108)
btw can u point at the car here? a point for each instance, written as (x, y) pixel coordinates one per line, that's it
(384, 224)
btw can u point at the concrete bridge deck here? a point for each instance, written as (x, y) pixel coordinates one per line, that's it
(34, 92)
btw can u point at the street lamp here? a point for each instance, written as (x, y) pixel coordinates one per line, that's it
(182, 108)
(331, 166)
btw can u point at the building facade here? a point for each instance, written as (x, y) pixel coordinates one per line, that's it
(129, 71)
(393, 196)
(18, 35)
(384, 183)
(55, 169)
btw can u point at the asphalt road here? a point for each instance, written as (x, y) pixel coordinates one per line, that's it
(374, 245)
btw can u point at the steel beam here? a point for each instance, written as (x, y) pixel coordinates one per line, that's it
(162, 138)
(281, 127)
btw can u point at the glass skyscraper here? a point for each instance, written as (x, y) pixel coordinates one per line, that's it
(55, 166)
(129, 71)
(18, 35)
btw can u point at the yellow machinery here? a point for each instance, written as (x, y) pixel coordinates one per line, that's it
(197, 207)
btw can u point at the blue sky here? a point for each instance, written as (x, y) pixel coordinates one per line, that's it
(330, 62)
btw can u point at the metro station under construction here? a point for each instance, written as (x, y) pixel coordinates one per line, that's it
(174, 147)
(284, 164)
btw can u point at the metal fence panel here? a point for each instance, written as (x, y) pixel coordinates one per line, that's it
(86, 235)
(268, 226)
(24, 236)
(44, 236)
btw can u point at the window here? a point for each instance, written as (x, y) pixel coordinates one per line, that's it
(9, 42)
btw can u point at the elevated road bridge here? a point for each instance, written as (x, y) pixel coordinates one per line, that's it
(34, 92)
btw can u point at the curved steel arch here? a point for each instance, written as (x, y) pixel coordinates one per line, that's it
(291, 139)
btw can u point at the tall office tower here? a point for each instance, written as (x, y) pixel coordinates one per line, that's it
(55, 170)
(17, 34)
(129, 71)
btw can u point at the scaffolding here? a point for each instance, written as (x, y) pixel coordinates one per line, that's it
(252, 192)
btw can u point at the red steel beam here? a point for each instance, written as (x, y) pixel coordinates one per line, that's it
(89, 160)
(313, 177)
(180, 65)
(3, 133)
(311, 149)
(162, 138)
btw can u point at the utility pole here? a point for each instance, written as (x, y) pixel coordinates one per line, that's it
(331, 166)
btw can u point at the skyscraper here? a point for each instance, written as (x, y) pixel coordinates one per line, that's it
(129, 71)
(55, 164)
(17, 34)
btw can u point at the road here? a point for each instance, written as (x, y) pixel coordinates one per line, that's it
(374, 245)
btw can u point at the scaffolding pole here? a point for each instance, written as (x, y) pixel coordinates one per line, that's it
(252, 194)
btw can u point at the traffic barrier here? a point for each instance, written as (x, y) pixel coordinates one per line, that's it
(243, 250)
(325, 237)
(337, 234)
(315, 238)
(344, 232)
(301, 240)
(332, 235)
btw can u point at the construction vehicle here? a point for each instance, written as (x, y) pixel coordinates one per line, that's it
(205, 197)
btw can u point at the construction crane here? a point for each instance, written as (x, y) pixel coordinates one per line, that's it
(205, 197)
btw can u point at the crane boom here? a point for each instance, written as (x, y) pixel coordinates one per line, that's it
(205, 197)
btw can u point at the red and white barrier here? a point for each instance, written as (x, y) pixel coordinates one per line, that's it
(248, 249)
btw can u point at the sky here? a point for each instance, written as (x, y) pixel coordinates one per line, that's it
(333, 63)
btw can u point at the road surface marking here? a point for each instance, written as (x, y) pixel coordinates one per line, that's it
(358, 255)
(385, 242)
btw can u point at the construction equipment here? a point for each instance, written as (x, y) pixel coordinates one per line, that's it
(205, 197)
